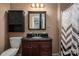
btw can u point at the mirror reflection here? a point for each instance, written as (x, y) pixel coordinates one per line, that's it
(37, 20)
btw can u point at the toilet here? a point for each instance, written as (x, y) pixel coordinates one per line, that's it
(15, 43)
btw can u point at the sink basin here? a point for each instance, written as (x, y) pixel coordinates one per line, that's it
(36, 37)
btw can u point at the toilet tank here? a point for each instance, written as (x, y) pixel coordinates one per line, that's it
(15, 42)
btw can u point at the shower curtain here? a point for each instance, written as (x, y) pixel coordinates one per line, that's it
(70, 31)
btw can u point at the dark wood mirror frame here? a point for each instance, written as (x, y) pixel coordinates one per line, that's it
(40, 18)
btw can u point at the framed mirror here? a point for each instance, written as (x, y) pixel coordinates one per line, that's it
(36, 20)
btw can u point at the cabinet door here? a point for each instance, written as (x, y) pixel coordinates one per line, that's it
(15, 20)
(45, 49)
(30, 48)
(26, 48)
(35, 49)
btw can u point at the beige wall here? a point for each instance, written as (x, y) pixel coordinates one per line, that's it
(3, 8)
(51, 21)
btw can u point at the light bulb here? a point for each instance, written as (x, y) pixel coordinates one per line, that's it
(41, 5)
(33, 5)
(37, 5)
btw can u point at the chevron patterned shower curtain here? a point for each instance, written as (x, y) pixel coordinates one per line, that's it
(70, 31)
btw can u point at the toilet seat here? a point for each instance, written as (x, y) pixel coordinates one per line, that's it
(10, 52)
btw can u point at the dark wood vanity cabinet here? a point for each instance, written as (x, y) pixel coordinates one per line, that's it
(36, 47)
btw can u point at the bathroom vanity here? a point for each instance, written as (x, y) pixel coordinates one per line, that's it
(36, 47)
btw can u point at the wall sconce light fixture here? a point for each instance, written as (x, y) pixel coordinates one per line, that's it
(38, 5)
